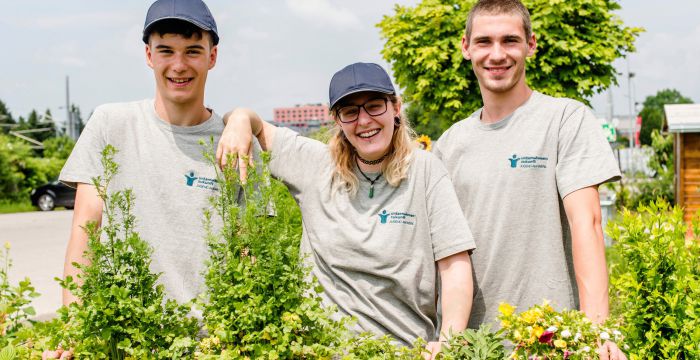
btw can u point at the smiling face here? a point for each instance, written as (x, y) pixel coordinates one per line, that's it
(370, 135)
(180, 66)
(497, 48)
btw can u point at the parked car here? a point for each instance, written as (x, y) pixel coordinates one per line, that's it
(49, 196)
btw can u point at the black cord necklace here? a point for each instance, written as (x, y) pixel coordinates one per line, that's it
(371, 182)
(371, 162)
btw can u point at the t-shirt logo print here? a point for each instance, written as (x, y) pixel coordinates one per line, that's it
(514, 161)
(383, 216)
(190, 178)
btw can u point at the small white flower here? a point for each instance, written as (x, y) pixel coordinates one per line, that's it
(587, 349)
(627, 347)
(577, 337)
(566, 334)
(604, 336)
(552, 329)
(617, 333)
(559, 318)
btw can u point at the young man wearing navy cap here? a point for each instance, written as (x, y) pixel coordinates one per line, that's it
(159, 153)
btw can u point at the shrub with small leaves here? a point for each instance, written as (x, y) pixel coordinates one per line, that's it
(259, 302)
(471, 344)
(656, 281)
(15, 307)
(122, 313)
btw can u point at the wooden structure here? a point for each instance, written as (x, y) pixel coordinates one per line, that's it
(683, 121)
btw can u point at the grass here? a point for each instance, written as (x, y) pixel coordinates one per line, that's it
(8, 207)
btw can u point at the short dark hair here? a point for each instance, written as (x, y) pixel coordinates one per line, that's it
(498, 7)
(186, 29)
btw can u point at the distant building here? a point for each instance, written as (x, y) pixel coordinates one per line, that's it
(302, 118)
(683, 122)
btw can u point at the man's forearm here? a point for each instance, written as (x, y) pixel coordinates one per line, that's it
(457, 290)
(583, 213)
(591, 271)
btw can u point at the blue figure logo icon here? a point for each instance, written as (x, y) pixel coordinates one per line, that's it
(514, 161)
(383, 216)
(190, 178)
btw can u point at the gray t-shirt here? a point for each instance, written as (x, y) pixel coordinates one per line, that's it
(511, 177)
(171, 181)
(375, 258)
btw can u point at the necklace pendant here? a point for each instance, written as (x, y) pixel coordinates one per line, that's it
(371, 191)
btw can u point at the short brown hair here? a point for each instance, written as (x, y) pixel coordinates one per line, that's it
(497, 7)
(178, 27)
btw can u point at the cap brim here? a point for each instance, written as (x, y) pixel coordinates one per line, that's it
(147, 28)
(355, 91)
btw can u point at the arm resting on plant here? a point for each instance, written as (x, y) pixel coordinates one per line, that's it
(583, 212)
(88, 207)
(241, 124)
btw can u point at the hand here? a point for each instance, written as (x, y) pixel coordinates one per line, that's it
(57, 354)
(237, 139)
(433, 348)
(610, 351)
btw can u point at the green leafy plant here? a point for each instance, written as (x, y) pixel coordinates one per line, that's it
(473, 344)
(542, 332)
(15, 300)
(258, 301)
(656, 281)
(121, 313)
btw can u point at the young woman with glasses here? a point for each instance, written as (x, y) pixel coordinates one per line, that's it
(381, 221)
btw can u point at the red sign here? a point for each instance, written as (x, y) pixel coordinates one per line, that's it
(636, 133)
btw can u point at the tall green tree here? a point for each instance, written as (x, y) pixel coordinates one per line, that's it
(653, 112)
(577, 41)
(5, 118)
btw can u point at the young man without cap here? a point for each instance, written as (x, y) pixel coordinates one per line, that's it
(526, 168)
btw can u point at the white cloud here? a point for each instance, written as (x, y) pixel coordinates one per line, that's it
(323, 12)
(76, 20)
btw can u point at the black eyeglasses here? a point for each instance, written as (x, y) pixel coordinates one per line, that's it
(373, 107)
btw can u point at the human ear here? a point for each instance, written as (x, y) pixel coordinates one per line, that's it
(465, 48)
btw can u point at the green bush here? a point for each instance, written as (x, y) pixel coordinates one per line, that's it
(121, 312)
(21, 170)
(655, 281)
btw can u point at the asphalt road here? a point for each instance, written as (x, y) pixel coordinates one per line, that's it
(38, 244)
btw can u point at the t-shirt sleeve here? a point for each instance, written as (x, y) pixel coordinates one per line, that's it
(297, 160)
(584, 157)
(449, 231)
(84, 162)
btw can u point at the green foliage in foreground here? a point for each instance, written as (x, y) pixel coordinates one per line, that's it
(122, 313)
(577, 43)
(656, 282)
(15, 300)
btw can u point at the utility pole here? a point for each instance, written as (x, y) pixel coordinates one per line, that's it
(632, 121)
(69, 115)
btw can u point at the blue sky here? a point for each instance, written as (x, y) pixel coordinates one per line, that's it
(272, 52)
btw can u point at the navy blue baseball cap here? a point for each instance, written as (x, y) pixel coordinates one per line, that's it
(359, 77)
(195, 12)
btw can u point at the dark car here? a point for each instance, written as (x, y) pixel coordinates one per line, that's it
(53, 194)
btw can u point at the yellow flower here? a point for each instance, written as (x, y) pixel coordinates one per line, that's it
(424, 142)
(506, 309)
(560, 343)
(537, 331)
(532, 315)
(7, 245)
